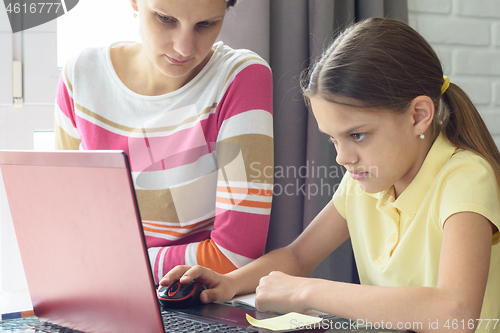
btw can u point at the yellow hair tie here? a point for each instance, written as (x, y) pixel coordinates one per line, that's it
(446, 84)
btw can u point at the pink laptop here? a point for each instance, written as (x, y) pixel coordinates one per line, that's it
(81, 241)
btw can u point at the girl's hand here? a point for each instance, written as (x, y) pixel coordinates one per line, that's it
(283, 293)
(219, 287)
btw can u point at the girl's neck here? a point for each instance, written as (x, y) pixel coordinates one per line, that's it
(406, 180)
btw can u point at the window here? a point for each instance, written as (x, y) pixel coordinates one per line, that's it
(94, 23)
(43, 50)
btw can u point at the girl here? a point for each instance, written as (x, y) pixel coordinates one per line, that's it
(421, 201)
(192, 115)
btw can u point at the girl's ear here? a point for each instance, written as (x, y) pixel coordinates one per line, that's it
(423, 114)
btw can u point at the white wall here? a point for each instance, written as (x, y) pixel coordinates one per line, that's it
(466, 36)
(36, 48)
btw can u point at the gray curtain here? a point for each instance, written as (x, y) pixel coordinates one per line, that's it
(290, 34)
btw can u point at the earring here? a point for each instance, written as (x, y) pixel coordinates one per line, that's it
(422, 136)
(135, 15)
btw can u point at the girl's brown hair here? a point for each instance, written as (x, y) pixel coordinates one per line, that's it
(384, 63)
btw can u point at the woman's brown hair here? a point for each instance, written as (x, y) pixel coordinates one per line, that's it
(384, 63)
(231, 3)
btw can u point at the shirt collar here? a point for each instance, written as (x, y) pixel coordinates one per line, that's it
(409, 201)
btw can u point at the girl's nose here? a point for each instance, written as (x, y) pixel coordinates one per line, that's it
(345, 156)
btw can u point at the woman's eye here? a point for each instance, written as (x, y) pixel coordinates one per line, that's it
(165, 19)
(358, 136)
(332, 141)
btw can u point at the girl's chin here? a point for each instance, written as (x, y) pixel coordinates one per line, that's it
(371, 188)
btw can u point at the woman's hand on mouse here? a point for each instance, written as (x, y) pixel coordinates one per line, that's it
(283, 293)
(219, 287)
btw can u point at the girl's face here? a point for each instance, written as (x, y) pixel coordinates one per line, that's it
(377, 147)
(178, 35)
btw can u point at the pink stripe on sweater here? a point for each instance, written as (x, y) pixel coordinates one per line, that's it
(98, 138)
(248, 91)
(158, 152)
(64, 101)
(248, 239)
(149, 154)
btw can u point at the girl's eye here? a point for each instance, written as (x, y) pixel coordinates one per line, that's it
(332, 141)
(358, 136)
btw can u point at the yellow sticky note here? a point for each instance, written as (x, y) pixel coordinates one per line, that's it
(289, 321)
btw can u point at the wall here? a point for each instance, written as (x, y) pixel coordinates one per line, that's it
(466, 36)
(36, 48)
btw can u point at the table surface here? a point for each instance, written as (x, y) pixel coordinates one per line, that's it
(17, 304)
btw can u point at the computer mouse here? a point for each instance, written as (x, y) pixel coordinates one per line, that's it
(179, 295)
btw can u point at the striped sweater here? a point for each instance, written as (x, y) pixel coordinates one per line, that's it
(201, 157)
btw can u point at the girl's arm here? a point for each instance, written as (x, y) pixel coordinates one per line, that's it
(326, 232)
(458, 297)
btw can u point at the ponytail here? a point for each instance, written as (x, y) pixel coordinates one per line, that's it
(464, 128)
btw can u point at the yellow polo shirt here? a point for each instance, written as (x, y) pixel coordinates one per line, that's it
(398, 242)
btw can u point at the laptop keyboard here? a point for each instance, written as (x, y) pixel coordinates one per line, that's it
(31, 324)
(175, 322)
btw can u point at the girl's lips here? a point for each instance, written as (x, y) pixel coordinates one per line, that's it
(359, 175)
(177, 61)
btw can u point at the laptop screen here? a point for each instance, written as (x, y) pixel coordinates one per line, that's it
(81, 241)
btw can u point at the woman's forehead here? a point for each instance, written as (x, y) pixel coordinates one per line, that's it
(194, 6)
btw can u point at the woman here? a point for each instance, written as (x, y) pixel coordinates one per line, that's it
(194, 117)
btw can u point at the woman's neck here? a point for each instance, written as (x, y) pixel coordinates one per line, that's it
(140, 75)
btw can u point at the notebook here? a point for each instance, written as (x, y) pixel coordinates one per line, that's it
(83, 249)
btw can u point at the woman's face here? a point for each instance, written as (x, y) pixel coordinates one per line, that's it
(178, 35)
(378, 148)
